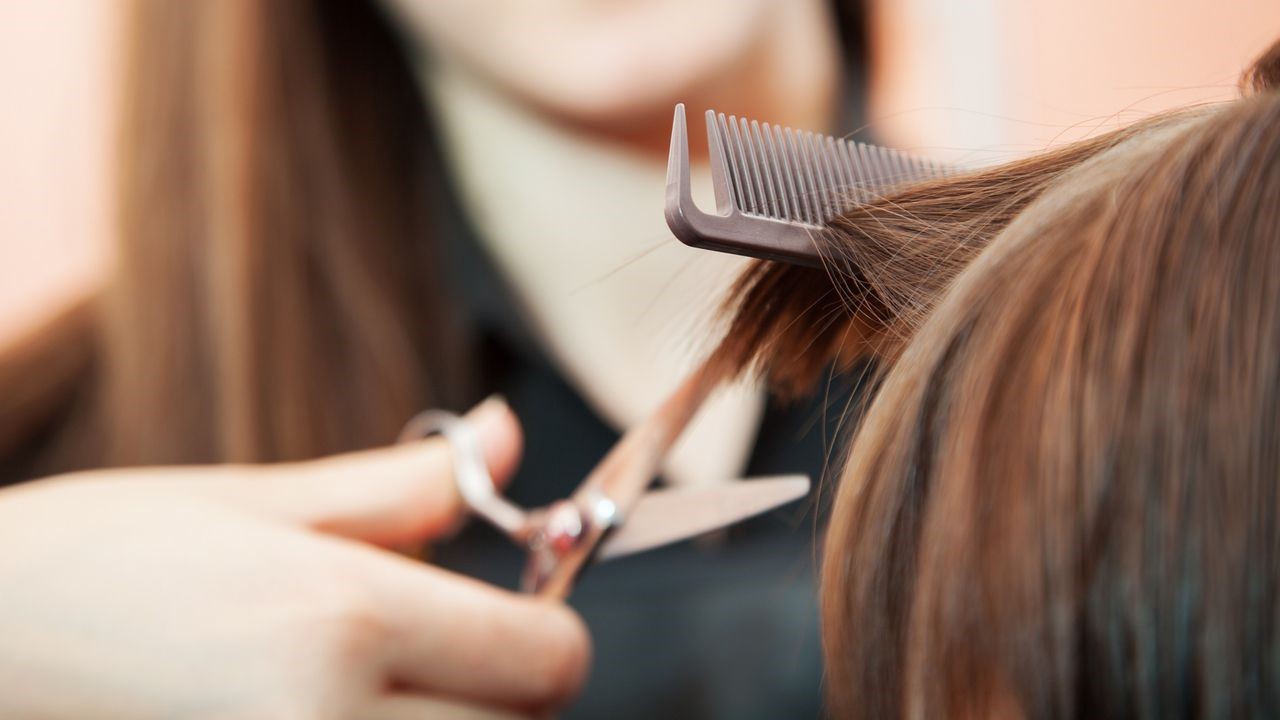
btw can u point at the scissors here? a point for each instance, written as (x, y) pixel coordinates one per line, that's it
(612, 513)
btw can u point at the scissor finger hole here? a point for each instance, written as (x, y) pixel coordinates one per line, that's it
(470, 472)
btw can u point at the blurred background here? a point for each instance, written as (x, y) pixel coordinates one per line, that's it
(979, 80)
(340, 211)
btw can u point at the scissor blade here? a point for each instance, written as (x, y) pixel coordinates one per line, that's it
(624, 474)
(666, 516)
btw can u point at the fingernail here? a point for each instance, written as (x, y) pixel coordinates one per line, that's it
(498, 430)
(493, 405)
(491, 412)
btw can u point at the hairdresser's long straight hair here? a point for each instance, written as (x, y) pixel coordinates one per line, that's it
(276, 292)
(1064, 500)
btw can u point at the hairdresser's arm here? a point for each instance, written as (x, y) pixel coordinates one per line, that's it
(240, 592)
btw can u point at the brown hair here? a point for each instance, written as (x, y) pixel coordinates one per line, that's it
(1062, 501)
(276, 292)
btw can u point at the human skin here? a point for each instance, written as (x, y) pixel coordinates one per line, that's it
(615, 70)
(267, 591)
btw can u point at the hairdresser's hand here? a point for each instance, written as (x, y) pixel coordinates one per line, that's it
(251, 592)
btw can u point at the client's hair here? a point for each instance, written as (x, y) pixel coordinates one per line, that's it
(1062, 500)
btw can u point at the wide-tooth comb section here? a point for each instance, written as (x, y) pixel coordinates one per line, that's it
(800, 177)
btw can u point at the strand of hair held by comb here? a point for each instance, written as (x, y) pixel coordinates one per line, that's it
(885, 262)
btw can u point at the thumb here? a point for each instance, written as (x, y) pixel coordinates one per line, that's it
(388, 496)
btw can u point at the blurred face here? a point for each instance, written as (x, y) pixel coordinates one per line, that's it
(595, 61)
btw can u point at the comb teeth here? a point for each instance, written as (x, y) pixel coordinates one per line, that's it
(801, 177)
(776, 188)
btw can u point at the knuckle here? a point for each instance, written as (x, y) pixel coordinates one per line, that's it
(348, 626)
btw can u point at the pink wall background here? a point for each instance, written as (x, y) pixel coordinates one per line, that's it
(984, 80)
(57, 79)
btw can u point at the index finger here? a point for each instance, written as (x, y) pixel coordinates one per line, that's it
(387, 496)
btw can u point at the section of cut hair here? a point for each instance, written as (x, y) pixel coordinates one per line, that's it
(887, 261)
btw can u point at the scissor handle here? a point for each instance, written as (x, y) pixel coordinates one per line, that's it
(562, 537)
(475, 484)
(549, 534)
